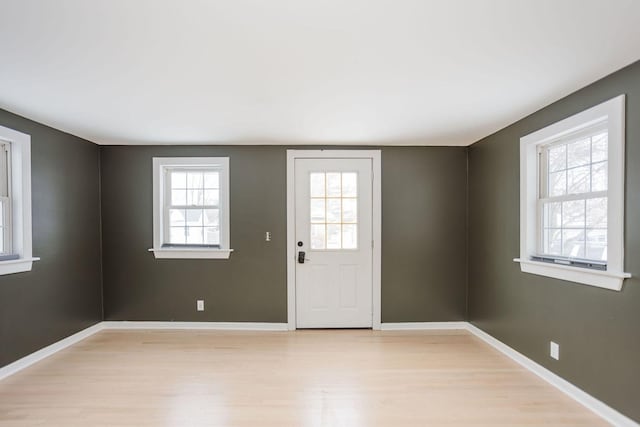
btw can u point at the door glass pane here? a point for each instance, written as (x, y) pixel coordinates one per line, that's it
(334, 184)
(333, 210)
(318, 236)
(317, 184)
(334, 238)
(349, 210)
(349, 184)
(318, 211)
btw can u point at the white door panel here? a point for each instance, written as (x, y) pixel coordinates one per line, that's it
(333, 222)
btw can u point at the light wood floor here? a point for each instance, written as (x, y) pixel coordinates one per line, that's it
(304, 378)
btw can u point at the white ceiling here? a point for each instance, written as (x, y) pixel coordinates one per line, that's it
(393, 72)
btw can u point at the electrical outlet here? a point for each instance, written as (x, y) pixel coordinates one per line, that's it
(554, 350)
(200, 305)
(267, 236)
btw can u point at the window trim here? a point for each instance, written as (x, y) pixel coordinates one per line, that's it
(160, 165)
(613, 112)
(21, 231)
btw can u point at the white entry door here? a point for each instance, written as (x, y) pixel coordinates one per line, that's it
(333, 236)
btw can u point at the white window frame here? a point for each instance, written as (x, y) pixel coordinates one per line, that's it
(20, 194)
(160, 166)
(613, 113)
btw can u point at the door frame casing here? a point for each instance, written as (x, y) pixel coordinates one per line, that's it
(376, 225)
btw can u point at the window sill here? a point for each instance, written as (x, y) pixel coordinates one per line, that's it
(16, 265)
(602, 279)
(191, 253)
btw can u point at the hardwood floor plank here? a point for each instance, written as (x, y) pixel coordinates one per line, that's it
(303, 378)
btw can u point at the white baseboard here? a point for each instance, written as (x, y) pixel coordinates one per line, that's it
(226, 326)
(598, 407)
(417, 326)
(47, 351)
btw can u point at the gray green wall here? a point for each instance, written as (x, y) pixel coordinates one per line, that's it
(62, 293)
(423, 238)
(597, 329)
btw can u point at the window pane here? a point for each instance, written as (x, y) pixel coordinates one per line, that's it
(317, 210)
(579, 153)
(178, 197)
(1, 240)
(557, 183)
(599, 177)
(194, 217)
(211, 197)
(349, 236)
(349, 184)
(578, 180)
(553, 215)
(176, 235)
(212, 236)
(178, 180)
(349, 210)
(573, 243)
(317, 184)
(334, 240)
(195, 197)
(333, 184)
(177, 217)
(195, 180)
(599, 147)
(597, 213)
(553, 241)
(2, 213)
(573, 214)
(194, 235)
(317, 236)
(211, 180)
(334, 210)
(597, 245)
(557, 158)
(211, 217)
